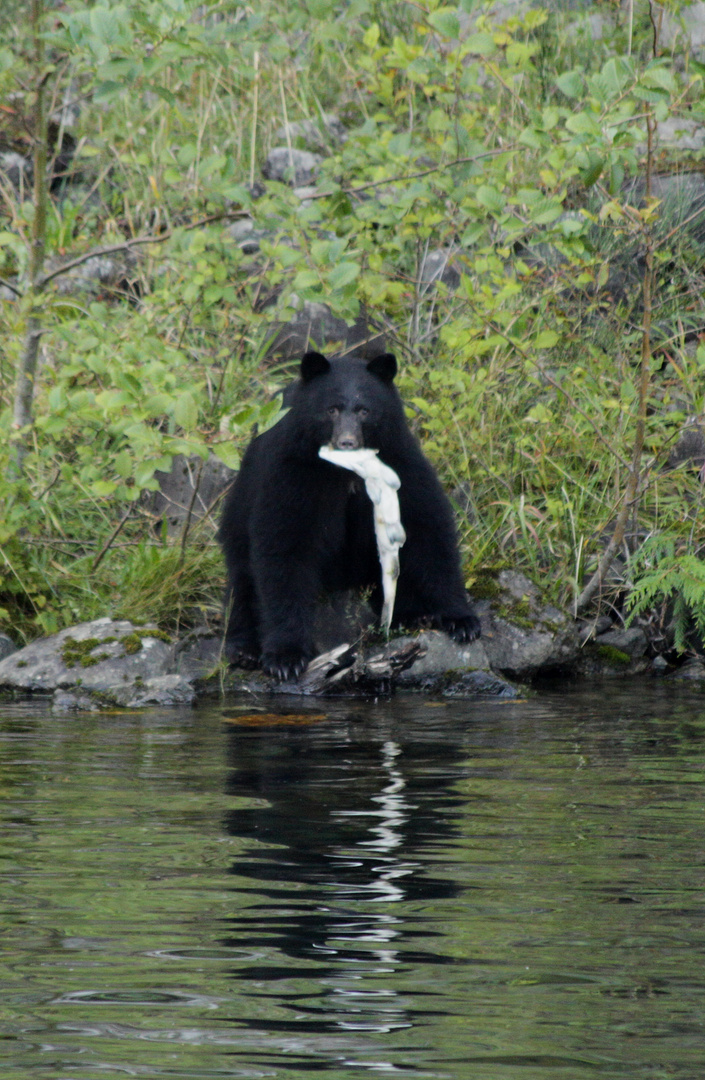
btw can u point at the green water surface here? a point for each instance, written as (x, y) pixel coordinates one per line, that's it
(409, 888)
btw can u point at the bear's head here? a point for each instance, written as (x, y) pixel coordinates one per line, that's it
(347, 402)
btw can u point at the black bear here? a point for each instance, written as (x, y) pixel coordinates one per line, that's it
(295, 526)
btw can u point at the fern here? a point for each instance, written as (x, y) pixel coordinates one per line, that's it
(662, 573)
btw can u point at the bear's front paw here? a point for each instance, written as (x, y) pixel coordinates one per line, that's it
(285, 664)
(463, 628)
(241, 655)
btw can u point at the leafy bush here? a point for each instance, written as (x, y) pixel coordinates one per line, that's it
(502, 151)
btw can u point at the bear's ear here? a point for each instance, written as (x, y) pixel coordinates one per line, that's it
(313, 364)
(384, 366)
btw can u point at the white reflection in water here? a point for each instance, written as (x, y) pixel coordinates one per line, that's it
(393, 807)
(386, 835)
(374, 1010)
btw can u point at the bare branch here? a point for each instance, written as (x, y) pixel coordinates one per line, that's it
(410, 176)
(11, 287)
(109, 542)
(125, 245)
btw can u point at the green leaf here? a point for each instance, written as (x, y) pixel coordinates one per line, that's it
(307, 279)
(591, 171)
(473, 233)
(539, 414)
(228, 453)
(545, 340)
(658, 78)
(654, 97)
(491, 198)
(445, 21)
(242, 417)
(371, 36)
(213, 294)
(144, 474)
(531, 136)
(438, 120)
(7, 59)
(548, 212)
(321, 9)
(286, 256)
(343, 274)
(571, 84)
(186, 411)
(103, 488)
(164, 94)
(113, 400)
(627, 391)
(583, 123)
(156, 405)
(106, 90)
(481, 44)
(123, 464)
(616, 73)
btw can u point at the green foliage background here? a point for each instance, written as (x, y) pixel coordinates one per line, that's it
(512, 144)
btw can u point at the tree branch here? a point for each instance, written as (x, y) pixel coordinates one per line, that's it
(109, 542)
(11, 287)
(409, 176)
(125, 245)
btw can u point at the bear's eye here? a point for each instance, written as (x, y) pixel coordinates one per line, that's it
(362, 411)
(333, 410)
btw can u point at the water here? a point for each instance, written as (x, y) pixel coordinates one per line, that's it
(414, 889)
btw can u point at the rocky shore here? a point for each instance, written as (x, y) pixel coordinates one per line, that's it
(109, 663)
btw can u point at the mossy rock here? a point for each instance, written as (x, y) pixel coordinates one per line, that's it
(611, 656)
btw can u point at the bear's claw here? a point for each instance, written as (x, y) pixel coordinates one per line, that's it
(465, 629)
(285, 666)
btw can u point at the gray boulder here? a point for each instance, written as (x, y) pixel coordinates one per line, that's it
(113, 274)
(190, 490)
(689, 448)
(680, 134)
(529, 638)
(441, 656)
(315, 134)
(162, 690)
(631, 641)
(684, 31)
(316, 327)
(98, 656)
(693, 670)
(295, 167)
(7, 646)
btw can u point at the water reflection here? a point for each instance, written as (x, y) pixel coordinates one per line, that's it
(441, 890)
(341, 834)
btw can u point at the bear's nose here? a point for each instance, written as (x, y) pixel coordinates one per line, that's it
(347, 442)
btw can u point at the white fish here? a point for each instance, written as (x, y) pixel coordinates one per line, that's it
(381, 484)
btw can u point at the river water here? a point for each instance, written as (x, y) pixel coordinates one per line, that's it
(414, 888)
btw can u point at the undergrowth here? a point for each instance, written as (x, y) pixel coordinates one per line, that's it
(514, 150)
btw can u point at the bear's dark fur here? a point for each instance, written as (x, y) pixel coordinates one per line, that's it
(295, 526)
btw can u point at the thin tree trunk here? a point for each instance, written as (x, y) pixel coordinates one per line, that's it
(27, 364)
(631, 493)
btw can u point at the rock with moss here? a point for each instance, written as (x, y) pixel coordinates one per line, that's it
(523, 636)
(94, 656)
(614, 654)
